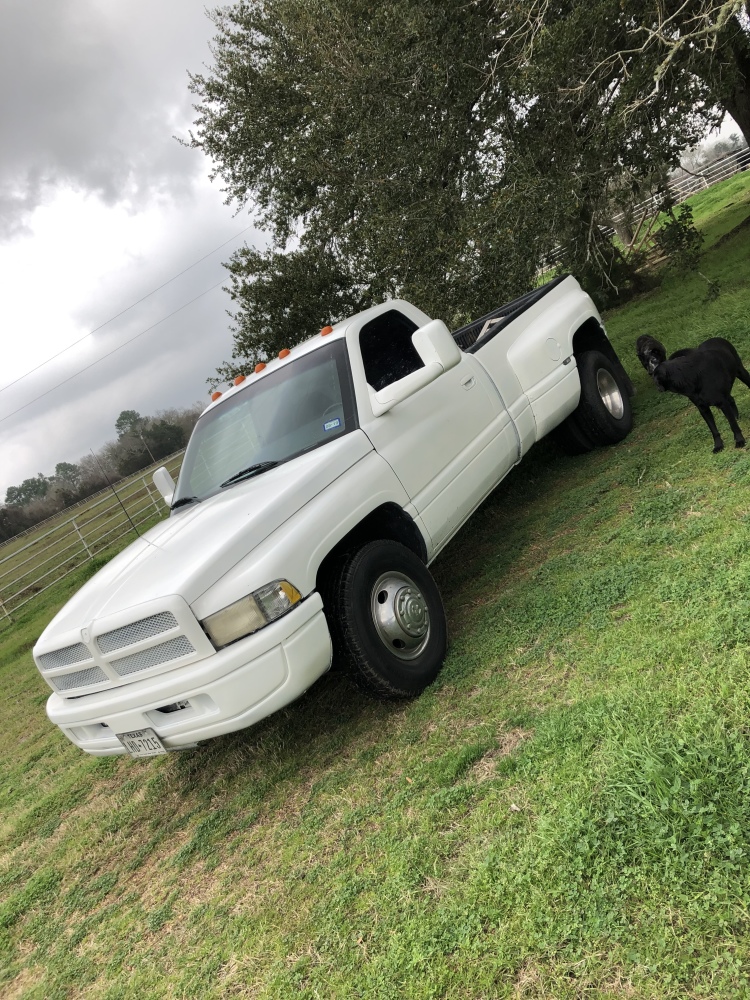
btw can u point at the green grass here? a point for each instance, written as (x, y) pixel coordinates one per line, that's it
(722, 207)
(565, 813)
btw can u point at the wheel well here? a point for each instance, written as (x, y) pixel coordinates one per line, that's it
(386, 521)
(591, 337)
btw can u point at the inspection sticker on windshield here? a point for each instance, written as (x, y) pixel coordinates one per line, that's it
(331, 424)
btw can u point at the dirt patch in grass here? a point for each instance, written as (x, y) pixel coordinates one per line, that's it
(508, 741)
(27, 979)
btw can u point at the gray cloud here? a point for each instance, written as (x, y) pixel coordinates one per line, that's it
(93, 93)
(166, 366)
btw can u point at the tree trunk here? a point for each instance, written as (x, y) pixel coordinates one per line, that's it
(624, 231)
(736, 100)
(738, 106)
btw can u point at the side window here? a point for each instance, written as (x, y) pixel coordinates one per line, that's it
(387, 351)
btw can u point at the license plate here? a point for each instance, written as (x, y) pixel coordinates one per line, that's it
(142, 743)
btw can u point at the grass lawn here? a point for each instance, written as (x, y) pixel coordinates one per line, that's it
(722, 207)
(565, 813)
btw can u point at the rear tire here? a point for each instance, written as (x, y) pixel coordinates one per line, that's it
(604, 413)
(386, 619)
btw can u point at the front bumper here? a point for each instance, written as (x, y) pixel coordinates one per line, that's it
(229, 690)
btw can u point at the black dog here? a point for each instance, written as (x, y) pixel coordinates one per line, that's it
(705, 374)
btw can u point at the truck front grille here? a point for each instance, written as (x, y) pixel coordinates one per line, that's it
(65, 656)
(79, 679)
(165, 651)
(136, 631)
(157, 642)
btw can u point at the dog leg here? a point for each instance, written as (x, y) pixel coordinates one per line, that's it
(743, 375)
(705, 412)
(739, 440)
(735, 411)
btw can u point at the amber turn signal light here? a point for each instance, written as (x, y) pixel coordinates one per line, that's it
(326, 330)
(215, 396)
(285, 353)
(239, 380)
(260, 366)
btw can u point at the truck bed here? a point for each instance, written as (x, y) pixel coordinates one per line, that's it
(477, 333)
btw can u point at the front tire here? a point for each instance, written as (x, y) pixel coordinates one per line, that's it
(604, 412)
(386, 619)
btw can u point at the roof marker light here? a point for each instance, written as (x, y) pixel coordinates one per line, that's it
(239, 380)
(285, 353)
(326, 330)
(215, 396)
(260, 366)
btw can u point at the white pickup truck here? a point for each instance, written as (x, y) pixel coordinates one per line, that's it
(312, 497)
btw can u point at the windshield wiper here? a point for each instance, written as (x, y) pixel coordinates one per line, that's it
(183, 501)
(251, 470)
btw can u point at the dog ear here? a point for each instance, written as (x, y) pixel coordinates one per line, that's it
(641, 345)
(650, 351)
(641, 350)
(658, 350)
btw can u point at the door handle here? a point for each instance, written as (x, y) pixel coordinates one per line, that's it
(468, 382)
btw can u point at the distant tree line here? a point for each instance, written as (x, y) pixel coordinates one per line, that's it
(141, 441)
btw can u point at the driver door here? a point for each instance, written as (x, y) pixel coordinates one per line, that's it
(450, 442)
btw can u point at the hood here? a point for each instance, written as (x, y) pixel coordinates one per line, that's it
(195, 547)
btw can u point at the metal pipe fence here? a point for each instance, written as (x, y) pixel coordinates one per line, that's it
(61, 545)
(690, 183)
(680, 188)
(168, 461)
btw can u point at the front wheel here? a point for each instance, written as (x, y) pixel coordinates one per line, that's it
(386, 619)
(604, 413)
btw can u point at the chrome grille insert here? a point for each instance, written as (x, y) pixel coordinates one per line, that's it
(64, 657)
(169, 650)
(79, 678)
(136, 631)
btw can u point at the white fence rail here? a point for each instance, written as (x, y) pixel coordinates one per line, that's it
(50, 554)
(680, 188)
(690, 183)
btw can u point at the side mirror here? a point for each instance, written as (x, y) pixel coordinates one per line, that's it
(396, 392)
(164, 484)
(438, 350)
(434, 343)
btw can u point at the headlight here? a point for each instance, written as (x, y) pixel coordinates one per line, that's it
(251, 613)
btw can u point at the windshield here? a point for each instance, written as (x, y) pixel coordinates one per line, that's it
(290, 411)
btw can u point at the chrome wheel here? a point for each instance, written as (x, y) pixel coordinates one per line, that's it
(400, 615)
(609, 393)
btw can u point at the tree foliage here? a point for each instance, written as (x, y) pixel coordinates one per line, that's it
(358, 131)
(66, 472)
(129, 422)
(30, 489)
(440, 151)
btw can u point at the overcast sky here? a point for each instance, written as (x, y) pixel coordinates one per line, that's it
(98, 206)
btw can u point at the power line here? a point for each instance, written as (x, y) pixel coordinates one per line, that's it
(113, 351)
(126, 309)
